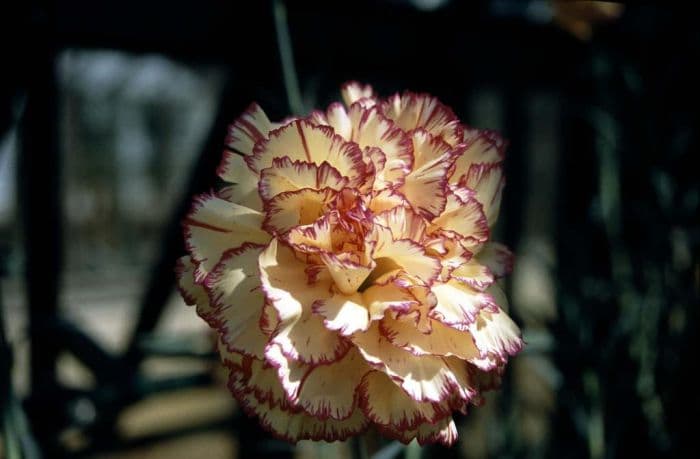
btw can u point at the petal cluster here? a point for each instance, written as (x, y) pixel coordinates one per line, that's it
(348, 269)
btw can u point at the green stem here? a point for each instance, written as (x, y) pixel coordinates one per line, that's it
(284, 42)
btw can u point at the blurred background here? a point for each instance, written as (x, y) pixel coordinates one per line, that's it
(113, 114)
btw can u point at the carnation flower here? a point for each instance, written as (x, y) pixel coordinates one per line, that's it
(348, 271)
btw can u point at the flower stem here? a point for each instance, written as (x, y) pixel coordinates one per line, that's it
(284, 42)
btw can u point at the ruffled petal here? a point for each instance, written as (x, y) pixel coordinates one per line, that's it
(474, 274)
(442, 340)
(403, 222)
(372, 129)
(347, 274)
(215, 226)
(287, 175)
(252, 126)
(390, 296)
(300, 334)
(463, 216)
(301, 140)
(424, 378)
(482, 147)
(345, 313)
(426, 187)
(192, 293)
(244, 188)
(487, 181)
(293, 208)
(427, 147)
(237, 301)
(497, 258)
(495, 334)
(386, 404)
(330, 391)
(295, 426)
(458, 305)
(410, 111)
(406, 254)
(353, 91)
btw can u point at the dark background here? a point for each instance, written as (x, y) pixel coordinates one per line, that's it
(113, 115)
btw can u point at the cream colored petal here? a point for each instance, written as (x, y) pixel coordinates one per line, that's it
(301, 140)
(329, 391)
(463, 217)
(497, 257)
(214, 226)
(407, 254)
(403, 222)
(345, 313)
(287, 175)
(496, 334)
(386, 404)
(300, 334)
(252, 126)
(192, 293)
(410, 111)
(474, 274)
(425, 188)
(380, 298)
(424, 378)
(487, 181)
(442, 340)
(244, 182)
(458, 305)
(295, 426)
(354, 91)
(293, 208)
(347, 274)
(482, 147)
(237, 300)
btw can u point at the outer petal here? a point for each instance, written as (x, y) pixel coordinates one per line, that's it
(496, 334)
(458, 305)
(353, 91)
(214, 226)
(424, 378)
(497, 258)
(192, 293)
(427, 147)
(488, 182)
(372, 129)
(301, 140)
(287, 175)
(345, 313)
(426, 187)
(244, 188)
(300, 334)
(410, 111)
(251, 127)
(387, 404)
(463, 216)
(474, 274)
(329, 391)
(294, 426)
(237, 300)
(482, 147)
(442, 340)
